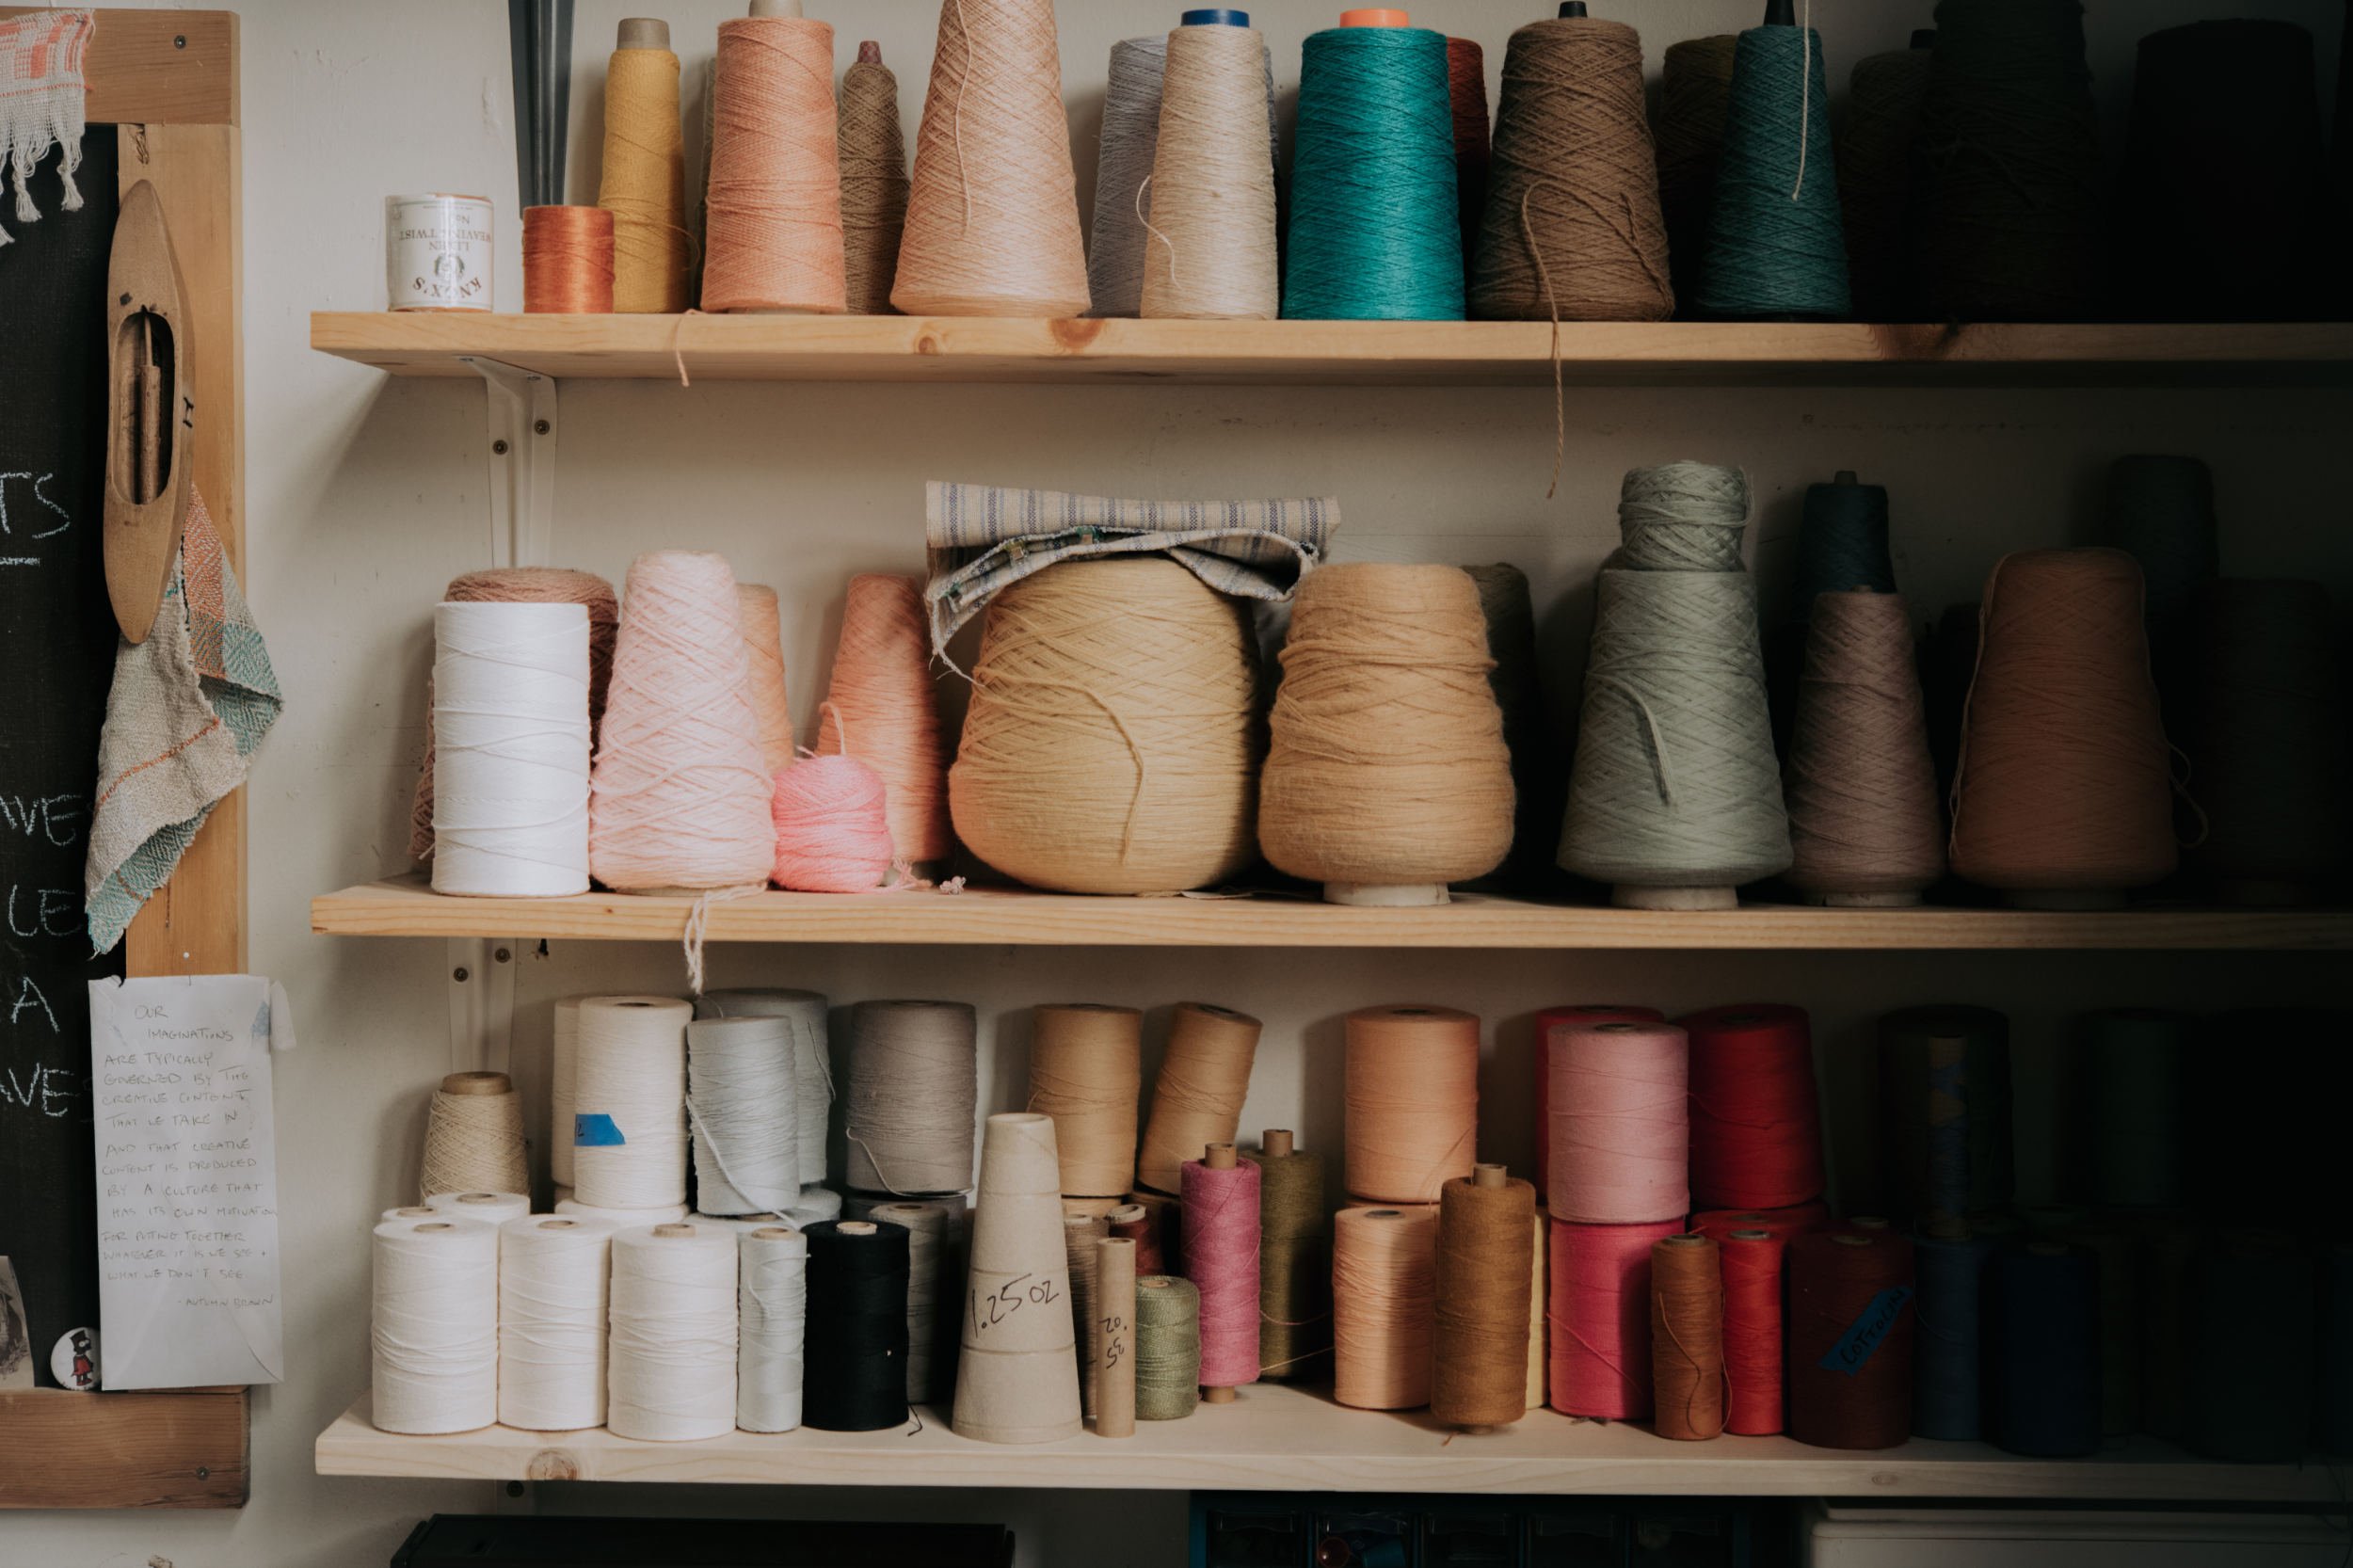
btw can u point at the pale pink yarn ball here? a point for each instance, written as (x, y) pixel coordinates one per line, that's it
(833, 830)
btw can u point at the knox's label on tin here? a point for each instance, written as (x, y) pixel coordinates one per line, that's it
(1864, 1337)
(436, 252)
(594, 1129)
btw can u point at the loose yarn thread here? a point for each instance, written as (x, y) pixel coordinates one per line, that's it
(523, 585)
(552, 1321)
(742, 1081)
(1198, 1097)
(1619, 1122)
(510, 729)
(912, 1092)
(434, 1331)
(1222, 1257)
(1859, 784)
(630, 1096)
(1388, 763)
(1125, 682)
(644, 184)
(1573, 229)
(772, 1307)
(671, 1378)
(774, 206)
(1410, 1097)
(1384, 1264)
(473, 1138)
(1687, 1338)
(679, 798)
(1776, 246)
(1376, 220)
(567, 261)
(880, 709)
(992, 225)
(873, 157)
(1480, 1373)
(804, 1013)
(1210, 250)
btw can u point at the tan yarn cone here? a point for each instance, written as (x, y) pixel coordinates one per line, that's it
(1018, 1378)
(993, 217)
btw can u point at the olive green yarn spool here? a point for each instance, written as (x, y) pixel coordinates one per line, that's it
(1168, 1347)
(1294, 1264)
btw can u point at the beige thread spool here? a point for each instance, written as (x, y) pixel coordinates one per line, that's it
(1086, 1071)
(1197, 1098)
(474, 1136)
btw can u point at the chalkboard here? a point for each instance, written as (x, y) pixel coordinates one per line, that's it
(56, 658)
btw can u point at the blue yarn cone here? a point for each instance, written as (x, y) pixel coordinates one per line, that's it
(1376, 229)
(1776, 246)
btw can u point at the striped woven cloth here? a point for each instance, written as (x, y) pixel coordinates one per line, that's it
(983, 537)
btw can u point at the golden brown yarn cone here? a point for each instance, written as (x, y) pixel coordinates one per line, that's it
(993, 215)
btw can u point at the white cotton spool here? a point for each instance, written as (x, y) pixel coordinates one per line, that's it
(435, 1329)
(629, 1149)
(510, 746)
(552, 1272)
(409, 1211)
(671, 1376)
(928, 1235)
(805, 1012)
(773, 1315)
(628, 1219)
(563, 1069)
(494, 1209)
(742, 1090)
(815, 1206)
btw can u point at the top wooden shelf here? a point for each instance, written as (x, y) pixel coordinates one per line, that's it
(1364, 353)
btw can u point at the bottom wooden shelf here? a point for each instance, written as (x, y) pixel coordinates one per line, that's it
(1277, 1439)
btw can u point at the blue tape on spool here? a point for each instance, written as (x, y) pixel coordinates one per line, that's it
(1215, 18)
(1855, 1346)
(594, 1129)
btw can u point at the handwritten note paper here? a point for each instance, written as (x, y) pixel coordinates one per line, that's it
(188, 1179)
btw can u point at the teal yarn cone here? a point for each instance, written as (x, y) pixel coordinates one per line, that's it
(1776, 246)
(1376, 227)
(1842, 543)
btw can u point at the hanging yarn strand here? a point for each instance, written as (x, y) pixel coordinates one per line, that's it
(644, 184)
(1775, 244)
(880, 709)
(1573, 229)
(873, 153)
(992, 225)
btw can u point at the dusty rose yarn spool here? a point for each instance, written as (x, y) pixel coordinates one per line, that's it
(833, 832)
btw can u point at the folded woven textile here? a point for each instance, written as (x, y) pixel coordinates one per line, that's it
(41, 102)
(187, 708)
(985, 538)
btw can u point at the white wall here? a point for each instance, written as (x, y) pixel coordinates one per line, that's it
(367, 494)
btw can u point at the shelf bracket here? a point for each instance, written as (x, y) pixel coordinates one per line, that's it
(523, 425)
(482, 1002)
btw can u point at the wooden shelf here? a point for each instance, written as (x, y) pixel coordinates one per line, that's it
(1277, 1439)
(406, 906)
(1364, 353)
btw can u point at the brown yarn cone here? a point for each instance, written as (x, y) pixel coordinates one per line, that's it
(1572, 226)
(1860, 784)
(521, 585)
(1694, 102)
(1485, 1235)
(2063, 784)
(873, 183)
(993, 212)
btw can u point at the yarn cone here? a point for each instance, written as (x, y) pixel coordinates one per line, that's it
(992, 222)
(1017, 1381)
(1775, 243)
(678, 798)
(1860, 783)
(874, 182)
(880, 710)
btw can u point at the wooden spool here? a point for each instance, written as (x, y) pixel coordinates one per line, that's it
(643, 32)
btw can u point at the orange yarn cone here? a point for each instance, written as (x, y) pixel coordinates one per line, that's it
(881, 709)
(993, 217)
(775, 207)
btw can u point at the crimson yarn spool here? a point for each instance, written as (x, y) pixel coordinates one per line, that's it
(1757, 1126)
(1780, 1223)
(1547, 1022)
(1753, 1262)
(1852, 1324)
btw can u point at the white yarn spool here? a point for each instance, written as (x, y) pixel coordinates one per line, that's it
(627, 1219)
(435, 1329)
(552, 1321)
(742, 1089)
(773, 1311)
(411, 1212)
(494, 1209)
(815, 1206)
(563, 1069)
(805, 1012)
(629, 1151)
(672, 1373)
(927, 1231)
(510, 747)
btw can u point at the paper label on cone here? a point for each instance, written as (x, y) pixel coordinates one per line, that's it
(1864, 1337)
(1019, 1312)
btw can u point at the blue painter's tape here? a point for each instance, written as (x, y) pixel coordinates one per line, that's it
(1215, 18)
(1864, 1337)
(594, 1129)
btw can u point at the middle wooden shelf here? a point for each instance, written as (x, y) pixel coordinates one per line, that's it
(408, 907)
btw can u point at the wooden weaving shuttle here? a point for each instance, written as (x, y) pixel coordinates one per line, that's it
(150, 413)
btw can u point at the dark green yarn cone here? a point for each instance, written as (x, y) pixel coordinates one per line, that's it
(1775, 244)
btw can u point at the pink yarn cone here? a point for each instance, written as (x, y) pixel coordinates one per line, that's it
(833, 828)
(678, 796)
